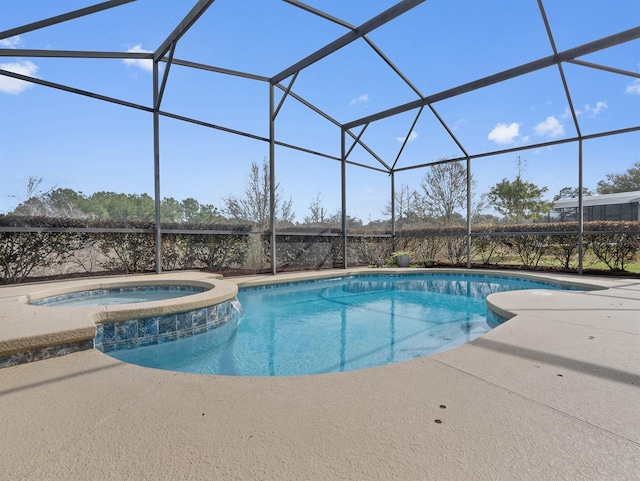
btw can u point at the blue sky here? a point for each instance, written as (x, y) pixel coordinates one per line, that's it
(89, 145)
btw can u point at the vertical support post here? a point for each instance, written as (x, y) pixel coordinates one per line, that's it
(272, 178)
(580, 211)
(393, 211)
(156, 167)
(343, 176)
(469, 208)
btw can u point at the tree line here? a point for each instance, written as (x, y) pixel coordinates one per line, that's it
(438, 201)
(442, 195)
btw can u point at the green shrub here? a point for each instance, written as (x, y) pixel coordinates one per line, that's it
(129, 252)
(489, 249)
(616, 249)
(22, 253)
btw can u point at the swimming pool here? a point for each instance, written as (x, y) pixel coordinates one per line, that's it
(339, 324)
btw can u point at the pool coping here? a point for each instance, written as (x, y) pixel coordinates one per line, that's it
(551, 394)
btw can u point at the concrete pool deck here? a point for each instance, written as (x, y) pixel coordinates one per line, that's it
(554, 393)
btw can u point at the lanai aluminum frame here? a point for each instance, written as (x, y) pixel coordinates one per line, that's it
(165, 53)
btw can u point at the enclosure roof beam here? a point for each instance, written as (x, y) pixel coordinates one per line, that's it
(349, 37)
(210, 68)
(368, 149)
(393, 66)
(565, 86)
(309, 105)
(521, 148)
(187, 22)
(582, 63)
(355, 142)
(596, 135)
(16, 52)
(284, 95)
(406, 139)
(375, 48)
(202, 123)
(386, 59)
(591, 47)
(84, 93)
(228, 130)
(63, 18)
(333, 121)
(365, 166)
(165, 77)
(449, 131)
(320, 13)
(305, 150)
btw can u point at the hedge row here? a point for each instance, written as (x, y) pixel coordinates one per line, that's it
(46, 253)
(25, 255)
(616, 244)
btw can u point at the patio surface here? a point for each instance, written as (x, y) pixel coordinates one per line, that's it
(554, 393)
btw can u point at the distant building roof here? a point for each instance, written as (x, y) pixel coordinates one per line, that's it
(606, 199)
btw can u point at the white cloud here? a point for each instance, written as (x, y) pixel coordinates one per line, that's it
(140, 63)
(412, 136)
(634, 87)
(14, 86)
(551, 127)
(567, 113)
(505, 134)
(593, 111)
(363, 99)
(11, 42)
(458, 123)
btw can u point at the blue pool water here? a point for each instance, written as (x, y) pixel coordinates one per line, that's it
(339, 325)
(119, 295)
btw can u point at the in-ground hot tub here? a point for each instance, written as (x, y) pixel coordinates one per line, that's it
(119, 295)
(193, 302)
